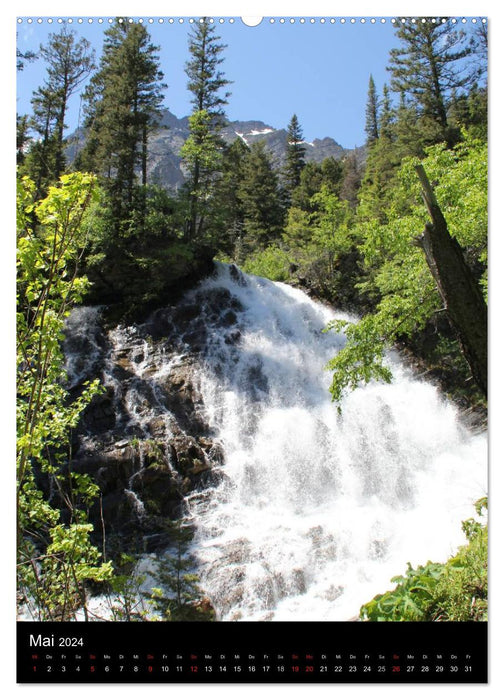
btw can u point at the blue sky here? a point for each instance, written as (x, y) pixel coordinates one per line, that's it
(320, 71)
(317, 70)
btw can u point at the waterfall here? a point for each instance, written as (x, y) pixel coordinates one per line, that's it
(316, 511)
(298, 512)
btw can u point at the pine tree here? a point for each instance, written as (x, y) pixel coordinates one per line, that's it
(177, 595)
(352, 177)
(22, 57)
(69, 63)
(122, 108)
(21, 137)
(260, 198)
(412, 129)
(386, 118)
(426, 67)
(202, 151)
(310, 183)
(228, 207)
(41, 159)
(295, 161)
(371, 127)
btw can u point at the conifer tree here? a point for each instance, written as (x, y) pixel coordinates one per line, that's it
(260, 198)
(122, 108)
(69, 63)
(426, 67)
(202, 150)
(22, 57)
(295, 161)
(352, 177)
(411, 129)
(21, 137)
(386, 117)
(40, 163)
(228, 206)
(371, 127)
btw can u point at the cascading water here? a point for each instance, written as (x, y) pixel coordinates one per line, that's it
(316, 511)
(299, 513)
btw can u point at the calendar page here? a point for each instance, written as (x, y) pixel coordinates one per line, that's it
(252, 349)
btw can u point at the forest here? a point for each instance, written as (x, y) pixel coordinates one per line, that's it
(398, 239)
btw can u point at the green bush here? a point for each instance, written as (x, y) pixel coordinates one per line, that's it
(454, 591)
(272, 262)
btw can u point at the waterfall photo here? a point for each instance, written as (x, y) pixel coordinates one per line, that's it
(252, 349)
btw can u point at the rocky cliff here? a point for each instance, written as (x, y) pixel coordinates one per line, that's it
(146, 441)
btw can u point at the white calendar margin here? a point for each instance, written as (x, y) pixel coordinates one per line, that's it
(273, 8)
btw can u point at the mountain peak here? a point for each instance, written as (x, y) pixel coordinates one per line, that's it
(165, 165)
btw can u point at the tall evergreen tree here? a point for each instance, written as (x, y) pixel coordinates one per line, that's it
(295, 161)
(202, 150)
(122, 107)
(228, 206)
(427, 67)
(69, 63)
(412, 129)
(386, 117)
(352, 177)
(260, 198)
(372, 117)
(41, 159)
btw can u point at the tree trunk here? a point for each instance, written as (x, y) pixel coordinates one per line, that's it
(459, 290)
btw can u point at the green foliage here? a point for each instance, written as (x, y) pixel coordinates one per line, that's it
(126, 599)
(408, 601)
(427, 66)
(175, 597)
(202, 156)
(371, 127)
(454, 591)
(205, 79)
(55, 555)
(362, 358)
(272, 263)
(397, 277)
(260, 197)
(122, 105)
(202, 150)
(200, 147)
(69, 62)
(319, 240)
(152, 241)
(227, 210)
(295, 161)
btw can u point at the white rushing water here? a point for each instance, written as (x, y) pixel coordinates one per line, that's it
(316, 512)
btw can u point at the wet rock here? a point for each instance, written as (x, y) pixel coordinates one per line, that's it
(111, 468)
(100, 415)
(158, 490)
(198, 467)
(186, 486)
(229, 319)
(213, 450)
(157, 427)
(146, 440)
(237, 276)
(232, 338)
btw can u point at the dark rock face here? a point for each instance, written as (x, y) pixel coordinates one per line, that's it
(146, 440)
